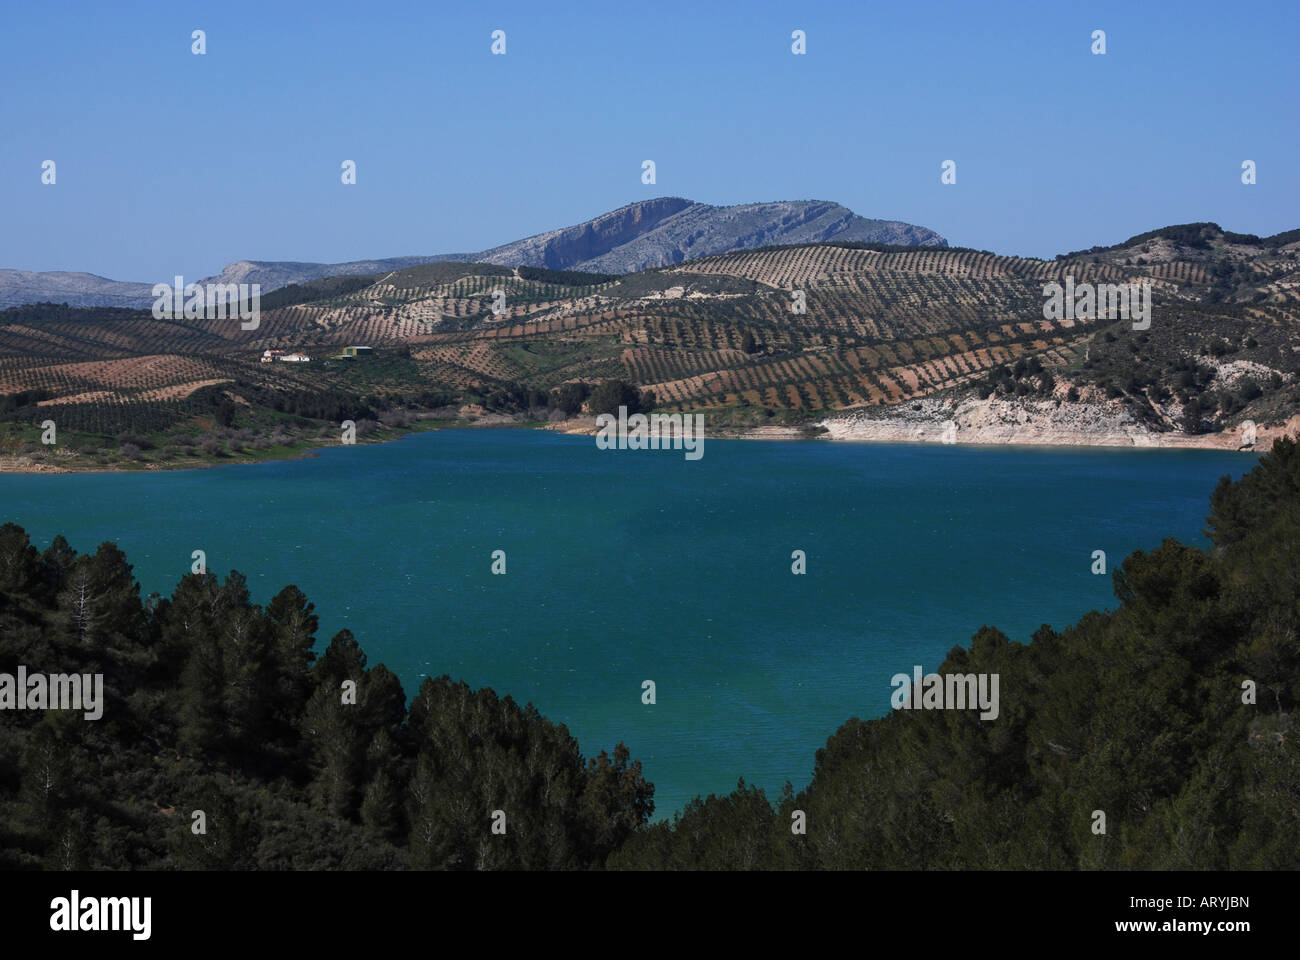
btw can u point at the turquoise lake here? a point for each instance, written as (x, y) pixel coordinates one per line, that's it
(625, 566)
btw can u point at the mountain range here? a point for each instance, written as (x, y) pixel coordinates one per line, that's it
(638, 236)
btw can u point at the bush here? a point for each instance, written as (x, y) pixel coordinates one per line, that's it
(568, 397)
(135, 440)
(612, 394)
(506, 399)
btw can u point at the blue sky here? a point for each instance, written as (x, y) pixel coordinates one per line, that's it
(173, 163)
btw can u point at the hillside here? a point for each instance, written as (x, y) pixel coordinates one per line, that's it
(648, 233)
(890, 338)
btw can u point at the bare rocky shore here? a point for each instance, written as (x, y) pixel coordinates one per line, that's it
(1031, 422)
(1014, 422)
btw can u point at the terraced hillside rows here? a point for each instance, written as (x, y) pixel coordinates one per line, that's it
(812, 328)
(875, 326)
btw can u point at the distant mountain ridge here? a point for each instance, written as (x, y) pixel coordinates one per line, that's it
(75, 289)
(666, 231)
(638, 236)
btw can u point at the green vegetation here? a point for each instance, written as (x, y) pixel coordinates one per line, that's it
(568, 397)
(324, 288)
(22, 403)
(566, 278)
(1025, 378)
(804, 331)
(45, 312)
(214, 703)
(1197, 236)
(1181, 365)
(445, 272)
(1138, 713)
(651, 283)
(609, 395)
(209, 427)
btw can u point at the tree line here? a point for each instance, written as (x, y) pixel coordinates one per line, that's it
(219, 706)
(1158, 735)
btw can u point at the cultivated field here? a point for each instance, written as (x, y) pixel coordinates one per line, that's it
(805, 330)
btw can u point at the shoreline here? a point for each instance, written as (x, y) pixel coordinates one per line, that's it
(872, 428)
(1041, 423)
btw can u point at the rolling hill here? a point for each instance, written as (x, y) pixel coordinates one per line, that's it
(908, 333)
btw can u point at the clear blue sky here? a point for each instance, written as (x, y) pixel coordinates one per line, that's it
(173, 163)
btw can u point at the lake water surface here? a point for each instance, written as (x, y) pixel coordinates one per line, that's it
(626, 566)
